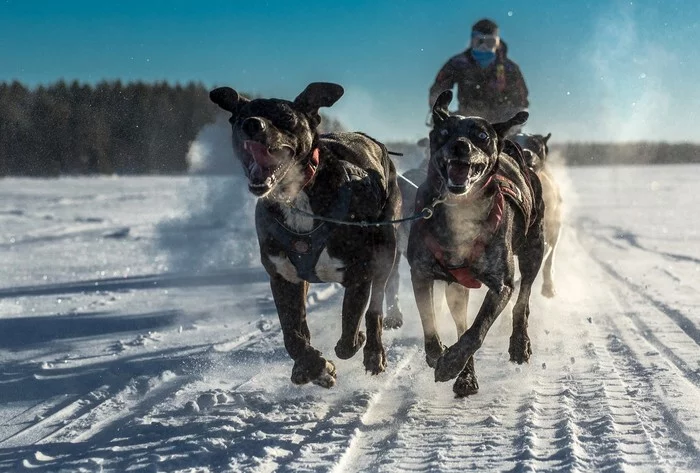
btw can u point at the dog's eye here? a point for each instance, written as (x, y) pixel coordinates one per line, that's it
(286, 120)
(444, 132)
(483, 135)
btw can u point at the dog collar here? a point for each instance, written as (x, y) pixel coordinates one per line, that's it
(311, 166)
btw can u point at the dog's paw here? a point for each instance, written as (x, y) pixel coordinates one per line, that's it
(432, 353)
(327, 378)
(449, 365)
(375, 361)
(548, 291)
(520, 349)
(394, 318)
(465, 385)
(309, 367)
(346, 351)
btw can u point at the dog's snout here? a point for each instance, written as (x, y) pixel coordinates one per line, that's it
(253, 125)
(461, 148)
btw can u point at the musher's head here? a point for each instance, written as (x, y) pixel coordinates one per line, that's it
(485, 36)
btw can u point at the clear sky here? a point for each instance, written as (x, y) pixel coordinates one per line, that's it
(597, 70)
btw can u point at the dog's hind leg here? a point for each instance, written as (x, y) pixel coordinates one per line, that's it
(529, 261)
(455, 358)
(548, 269)
(394, 317)
(457, 297)
(423, 292)
(466, 383)
(384, 263)
(354, 303)
(309, 365)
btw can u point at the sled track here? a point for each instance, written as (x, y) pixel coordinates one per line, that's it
(648, 353)
(616, 389)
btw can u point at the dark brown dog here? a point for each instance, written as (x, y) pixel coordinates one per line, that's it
(299, 176)
(487, 209)
(536, 150)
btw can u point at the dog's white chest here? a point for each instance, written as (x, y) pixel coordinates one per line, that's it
(327, 269)
(466, 224)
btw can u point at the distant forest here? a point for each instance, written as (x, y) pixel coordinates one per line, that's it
(147, 128)
(108, 128)
(595, 154)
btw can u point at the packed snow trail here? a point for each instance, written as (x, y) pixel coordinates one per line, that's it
(169, 370)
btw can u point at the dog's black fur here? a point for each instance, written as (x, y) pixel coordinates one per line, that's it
(536, 150)
(350, 178)
(465, 153)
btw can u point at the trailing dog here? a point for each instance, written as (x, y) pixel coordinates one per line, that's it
(306, 184)
(408, 182)
(487, 208)
(536, 151)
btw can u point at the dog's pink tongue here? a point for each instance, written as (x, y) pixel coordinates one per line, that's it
(260, 153)
(458, 173)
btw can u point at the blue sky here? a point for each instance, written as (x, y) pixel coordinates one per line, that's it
(596, 70)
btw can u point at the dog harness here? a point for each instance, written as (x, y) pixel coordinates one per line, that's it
(502, 187)
(304, 249)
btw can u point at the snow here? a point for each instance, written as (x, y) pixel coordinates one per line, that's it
(138, 333)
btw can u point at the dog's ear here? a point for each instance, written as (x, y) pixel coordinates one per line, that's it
(545, 139)
(227, 98)
(317, 95)
(440, 110)
(502, 128)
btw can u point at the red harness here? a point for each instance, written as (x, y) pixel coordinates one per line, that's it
(462, 273)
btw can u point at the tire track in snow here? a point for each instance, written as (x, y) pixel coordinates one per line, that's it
(329, 436)
(664, 398)
(100, 411)
(433, 431)
(671, 331)
(586, 419)
(648, 358)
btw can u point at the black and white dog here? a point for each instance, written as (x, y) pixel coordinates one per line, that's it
(488, 208)
(298, 176)
(536, 151)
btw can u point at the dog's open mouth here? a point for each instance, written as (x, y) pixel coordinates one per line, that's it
(266, 166)
(460, 175)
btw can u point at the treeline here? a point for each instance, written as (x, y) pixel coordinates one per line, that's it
(142, 128)
(596, 154)
(586, 154)
(108, 128)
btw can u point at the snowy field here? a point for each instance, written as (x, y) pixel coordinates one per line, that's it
(138, 333)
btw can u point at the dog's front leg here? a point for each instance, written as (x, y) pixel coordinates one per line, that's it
(455, 358)
(354, 302)
(529, 262)
(423, 292)
(309, 365)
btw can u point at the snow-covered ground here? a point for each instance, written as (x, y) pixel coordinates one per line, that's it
(137, 333)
